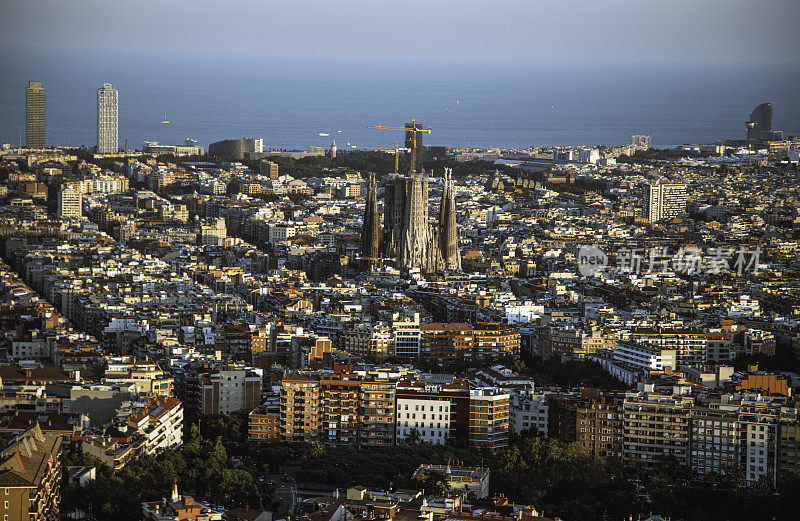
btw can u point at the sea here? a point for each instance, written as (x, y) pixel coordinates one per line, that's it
(289, 101)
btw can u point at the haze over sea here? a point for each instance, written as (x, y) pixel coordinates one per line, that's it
(289, 101)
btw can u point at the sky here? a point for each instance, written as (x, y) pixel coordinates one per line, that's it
(525, 31)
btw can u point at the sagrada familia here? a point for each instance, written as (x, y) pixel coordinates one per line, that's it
(406, 235)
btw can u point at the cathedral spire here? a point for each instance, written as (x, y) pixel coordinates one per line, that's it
(370, 233)
(448, 229)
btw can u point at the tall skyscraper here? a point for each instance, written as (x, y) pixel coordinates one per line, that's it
(34, 115)
(664, 201)
(760, 121)
(370, 233)
(107, 120)
(448, 230)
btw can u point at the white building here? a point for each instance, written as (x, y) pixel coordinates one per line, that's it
(430, 416)
(214, 234)
(589, 155)
(407, 335)
(644, 357)
(255, 145)
(160, 421)
(70, 202)
(107, 120)
(281, 231)
(664, 201)
(528, 410)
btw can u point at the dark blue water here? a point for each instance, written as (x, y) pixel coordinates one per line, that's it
(289, 101)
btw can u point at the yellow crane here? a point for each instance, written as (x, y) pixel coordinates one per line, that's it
(412, 127)
(397, 148)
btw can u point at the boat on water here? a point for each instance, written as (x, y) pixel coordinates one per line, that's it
(165, 121)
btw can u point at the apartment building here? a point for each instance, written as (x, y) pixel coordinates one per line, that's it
(230, 388)
(70, 202)
(367, 340)
(664, 201)
(407, 336)
(337, 407)
(528, 410)
(576, 342)
(450, 341)
(264, 423)
(339, 413)
(30, 476)
(300, 408)
(689, 343)
(739, 433)
(488, 418)
(656, 427)
(599, 424)
(434, 410)
(148, 377)
(377, 402)
(159, 420)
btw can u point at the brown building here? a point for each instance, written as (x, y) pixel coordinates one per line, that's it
(447, 342)
(488, 418)
(598, 424)
(300, 408)
(364, 340)
(264, 423)
(768, 383)
(30, 476)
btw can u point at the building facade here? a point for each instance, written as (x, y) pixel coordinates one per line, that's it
(664, 201)
(30, 476)
(35, 117)
(107, 120)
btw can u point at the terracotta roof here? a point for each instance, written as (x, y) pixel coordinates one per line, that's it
(24, 463)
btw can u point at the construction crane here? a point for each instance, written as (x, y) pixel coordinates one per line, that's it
(397, 148)
(406, 128)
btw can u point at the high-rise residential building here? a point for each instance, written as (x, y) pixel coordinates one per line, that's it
(760, 121)
(488, 418)
(656, 428)
(300, 408)
(268, 168)
(70, 202)
(34, 115)
(687, 342)
(30, 476)
(377, 412)
(664, 201)
(640, 141)
(434, 410)
(107, 120)
(740, 432)
(228, 389)
(598, 424)
(407, 335)
(370, 232)
(255, 145)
